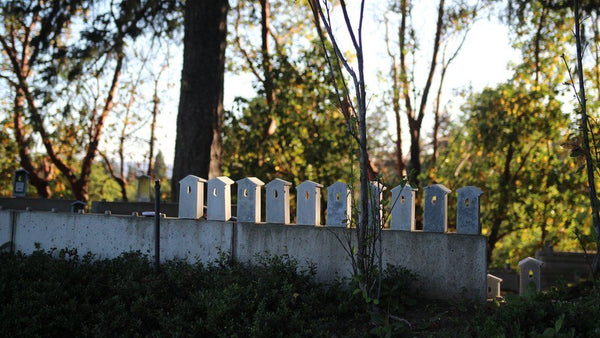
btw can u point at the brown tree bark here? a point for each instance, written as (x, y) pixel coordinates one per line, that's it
(415, 118)
(199, 121)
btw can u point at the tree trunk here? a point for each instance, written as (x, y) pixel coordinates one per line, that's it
(40, 184)
(201, 96)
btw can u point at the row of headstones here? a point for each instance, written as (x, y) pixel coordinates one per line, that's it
(308, 211)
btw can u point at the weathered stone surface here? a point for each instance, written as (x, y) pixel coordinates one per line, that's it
(403, 208)
(448, 266)
(339, 204)
(308, 203)
(20, 183)
(436, 208)
(218, 201)
(467, 211)
(191, 197)
(530, 272)
(493, 286)
(278, 201)
(249, 199)
(144, 188)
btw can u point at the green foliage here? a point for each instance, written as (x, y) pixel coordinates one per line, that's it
(561, 312)
(311, 139)
(81, 296)
(509, 144)
(8, 163)
(159, 171)
(102, 186)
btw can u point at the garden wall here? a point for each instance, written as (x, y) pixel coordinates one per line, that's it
(448, 265)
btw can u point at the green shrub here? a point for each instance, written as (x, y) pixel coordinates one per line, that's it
(81, 296)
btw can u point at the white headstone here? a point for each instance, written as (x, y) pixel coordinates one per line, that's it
(338, 205)
(278, 201)
(530, 272)
(143, 190)
(218, 201)
(248, 201)
(375, 207)
(308, 203)
(493, 286)
(467, 211)
(435, 218)
(191, 197)
(403, 208)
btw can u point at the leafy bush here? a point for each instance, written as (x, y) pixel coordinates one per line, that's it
(560, 312)
(82, 296)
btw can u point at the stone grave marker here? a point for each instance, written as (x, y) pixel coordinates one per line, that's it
(403, 208)
(278, 201)
(493, 286)
(468, 211)
(375, 199)
(338, 205)
(143, 189)
(20, 183)
(435, 218)
(249, 199)
(308, 203)
(218, 201)
(530, 272)
(191, 197)
(78, 207)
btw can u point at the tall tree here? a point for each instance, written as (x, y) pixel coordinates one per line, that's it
(453, 21)
(200, 117)
(53, 76)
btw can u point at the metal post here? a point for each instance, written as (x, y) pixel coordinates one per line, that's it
(157, 224)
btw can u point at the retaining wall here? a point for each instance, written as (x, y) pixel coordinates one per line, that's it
(448, 265)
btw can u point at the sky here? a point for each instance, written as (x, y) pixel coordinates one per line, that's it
(483, 61)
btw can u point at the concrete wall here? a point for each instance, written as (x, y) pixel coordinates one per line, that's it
(448, 265)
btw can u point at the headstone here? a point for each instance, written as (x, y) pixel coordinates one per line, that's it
(143, 190)
(403, 208)
(375, 198)
(435, 218)
(530, 273)
(248, 200)
(338, 205)
(218, 201)
(308, 203)
(20, 183)
(191, 197)
(278, 201)
(78, 207)
(493, 286)
(467, 211)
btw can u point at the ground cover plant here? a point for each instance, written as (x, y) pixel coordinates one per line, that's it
(63, 294)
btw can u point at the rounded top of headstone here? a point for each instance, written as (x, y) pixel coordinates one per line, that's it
(438, 187)
(250, 180)
(338, 185)
(223, 180)
(192, 179)
(470, 190)
(278, 182)
(531, 260)
(406, 188)
(378, 185)
(498, 279)
(308, 185)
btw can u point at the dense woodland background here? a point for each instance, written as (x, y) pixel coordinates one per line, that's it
(83, 81)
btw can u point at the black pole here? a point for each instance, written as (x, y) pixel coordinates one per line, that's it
(157, 224)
